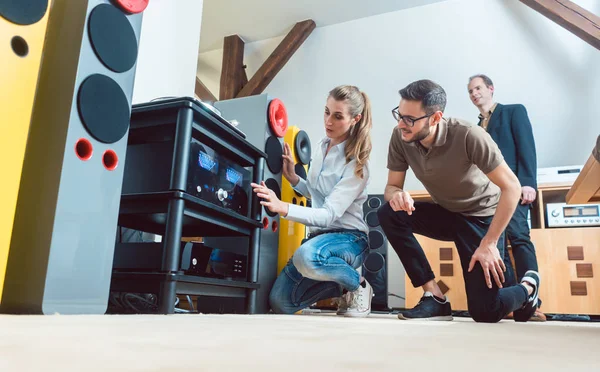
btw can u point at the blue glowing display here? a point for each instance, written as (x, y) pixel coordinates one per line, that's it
(233, 176)
(207, 162)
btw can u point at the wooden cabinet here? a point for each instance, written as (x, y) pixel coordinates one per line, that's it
(568, 260)
(569, 263)
(586, 188)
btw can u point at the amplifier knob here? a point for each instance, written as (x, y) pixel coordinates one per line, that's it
(221, 194)
(555, 213)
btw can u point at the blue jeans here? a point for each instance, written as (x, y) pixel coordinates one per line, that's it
(321, 268)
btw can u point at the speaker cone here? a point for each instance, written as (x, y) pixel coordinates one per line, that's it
(132, 6)
(302, 147)
(23, 12)
(301, 172)
(374, 203)
(374, 262)
(113, 38)
(278, 119)
(274, 152)
(273, 185)
(103, 108)
(372, 219)
(376, 239)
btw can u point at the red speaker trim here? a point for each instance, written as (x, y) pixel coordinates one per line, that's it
(84, 149)
(132, 6)
(278, 118)
(110, 160)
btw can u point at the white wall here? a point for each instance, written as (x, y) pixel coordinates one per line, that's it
(531, 60)
(168, 52)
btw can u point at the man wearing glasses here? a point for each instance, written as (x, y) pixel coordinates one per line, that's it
(509, 127)
(474, 193)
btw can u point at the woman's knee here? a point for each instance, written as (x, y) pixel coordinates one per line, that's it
(278, 303)
(305, 261)
(280, 296)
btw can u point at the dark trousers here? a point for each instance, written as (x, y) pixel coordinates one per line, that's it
(523, 250)
(431, 220)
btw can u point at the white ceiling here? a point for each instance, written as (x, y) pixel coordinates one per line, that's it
(256, 20)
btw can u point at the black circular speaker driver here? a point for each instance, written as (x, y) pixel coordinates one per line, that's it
(103, 108)
(301, 172)
(376, 239)
(273, 185)
(274, 151)
(374, 262)
(302, 147)
(374, 203)
(23, 12)
(113, 38)
(372, 219)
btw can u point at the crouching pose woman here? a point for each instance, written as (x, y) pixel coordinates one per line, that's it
(324, 266)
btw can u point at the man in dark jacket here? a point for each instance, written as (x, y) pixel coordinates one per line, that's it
(509, 127)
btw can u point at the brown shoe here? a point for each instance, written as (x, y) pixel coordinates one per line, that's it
(538, 316)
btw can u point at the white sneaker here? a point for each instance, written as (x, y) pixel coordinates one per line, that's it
(359, 301)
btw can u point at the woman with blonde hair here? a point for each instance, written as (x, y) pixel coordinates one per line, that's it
(324, 266)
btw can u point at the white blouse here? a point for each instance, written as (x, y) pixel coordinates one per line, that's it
(337, 194)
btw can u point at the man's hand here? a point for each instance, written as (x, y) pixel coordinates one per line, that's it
(488, 256)
(528, 195)
(402, 201)
(270, 200)
(288, 166)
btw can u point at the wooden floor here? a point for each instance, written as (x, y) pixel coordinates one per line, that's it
(291, 343)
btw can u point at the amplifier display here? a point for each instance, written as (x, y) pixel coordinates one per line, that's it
(217, 180)
(211, 177)
(569, 215)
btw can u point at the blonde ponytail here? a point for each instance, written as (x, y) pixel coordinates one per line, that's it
(358, 145)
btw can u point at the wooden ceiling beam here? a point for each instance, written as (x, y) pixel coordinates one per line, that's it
(203, 92)
(233, 75)
(275, 62)
(581, 22)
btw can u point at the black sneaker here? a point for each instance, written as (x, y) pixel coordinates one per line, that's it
(428, 308)
(526, 312)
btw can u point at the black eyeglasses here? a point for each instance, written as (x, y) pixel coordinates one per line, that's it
(407, 120)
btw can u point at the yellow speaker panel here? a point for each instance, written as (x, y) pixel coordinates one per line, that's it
(22, 32)
(291, 233)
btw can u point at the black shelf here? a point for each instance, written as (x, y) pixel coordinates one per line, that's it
(167, 210)
(214, 129)
(148, 212)
(185, 284)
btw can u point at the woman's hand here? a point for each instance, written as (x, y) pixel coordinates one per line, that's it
(270, 200)
(288, 166)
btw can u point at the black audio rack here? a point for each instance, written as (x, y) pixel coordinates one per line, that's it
(173, 213)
